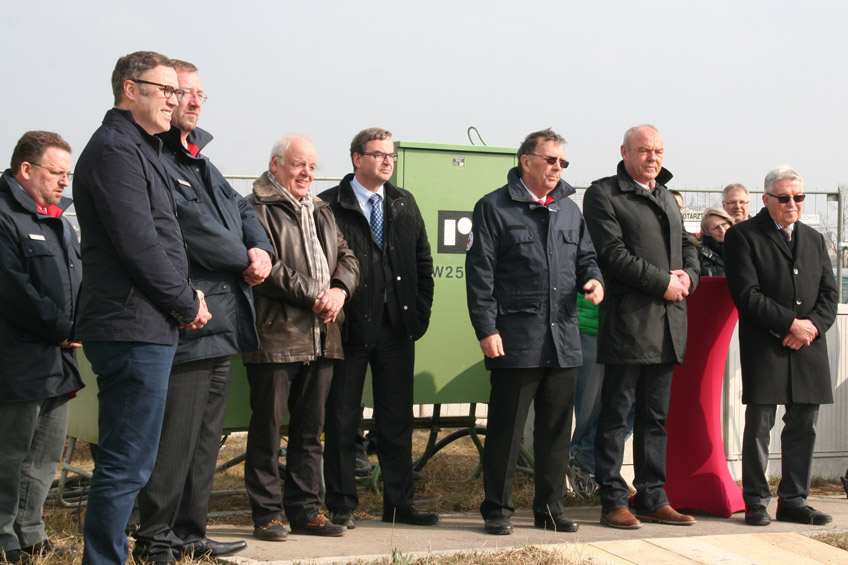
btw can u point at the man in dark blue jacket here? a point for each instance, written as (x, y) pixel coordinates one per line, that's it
(528, 256)
(228, 252)
(39, 281)
(135, 290)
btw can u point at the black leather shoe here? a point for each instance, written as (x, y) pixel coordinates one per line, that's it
(756, 515)
(500, 526)
(410, 515)
(14, 556)
(141, 555)
(212, 548)
(343, 517)
(803, 515)
(558, 522)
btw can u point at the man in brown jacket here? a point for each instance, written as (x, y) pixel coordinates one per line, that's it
(298, 315)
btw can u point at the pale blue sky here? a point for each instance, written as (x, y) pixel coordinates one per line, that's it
(736, 87)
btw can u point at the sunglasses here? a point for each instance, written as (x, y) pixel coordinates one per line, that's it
(553, 160)
(785, 198)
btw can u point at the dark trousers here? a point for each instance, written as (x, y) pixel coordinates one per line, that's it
(392, 360)
(173, 506)
(649, 387)
(552, 392)
(133, 382)
(303, 387)
(797, 442)
(33, 433)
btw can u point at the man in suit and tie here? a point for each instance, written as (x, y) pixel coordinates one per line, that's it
(780, 277)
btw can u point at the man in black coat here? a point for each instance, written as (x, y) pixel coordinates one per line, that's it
(39, 282)
(389, 312)
(649, 267)
(135, 292)
(780, 278)
(228, 252)
(528, 256)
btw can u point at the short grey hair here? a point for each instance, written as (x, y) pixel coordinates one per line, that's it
(731, 187)
(282, 145)
(629, 133)
(719, 212)
(783, 172)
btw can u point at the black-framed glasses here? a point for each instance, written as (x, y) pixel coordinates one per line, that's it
(167, 89)
(553, 160)
(380, 156)
(57, 174)
(785, 198)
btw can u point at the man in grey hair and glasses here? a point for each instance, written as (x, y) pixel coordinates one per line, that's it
(781, 279)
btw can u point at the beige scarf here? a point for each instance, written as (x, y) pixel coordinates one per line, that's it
(315, 258)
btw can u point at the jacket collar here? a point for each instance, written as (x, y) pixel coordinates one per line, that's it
(123, 120)
(347, 199)
(626, 182)
(519, 193)
(22, 197)
(765, 222)
(172, 139)
(266, 193)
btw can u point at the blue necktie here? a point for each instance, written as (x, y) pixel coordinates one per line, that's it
(377, 217)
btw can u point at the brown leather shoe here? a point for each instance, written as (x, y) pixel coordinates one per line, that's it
(621, 518)
(666, 515)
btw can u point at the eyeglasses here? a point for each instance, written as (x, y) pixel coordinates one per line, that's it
(380, 156)
(721, 227)
(167, 89)
(785, 198)
(199, 96)
(553, 160)
(736, 202)
(57, 174)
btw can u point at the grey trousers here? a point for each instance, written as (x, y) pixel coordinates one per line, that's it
(33, 435)
(797, 442)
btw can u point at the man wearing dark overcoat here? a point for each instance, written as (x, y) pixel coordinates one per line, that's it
(650, 266)
(780, 277)
(528, 256)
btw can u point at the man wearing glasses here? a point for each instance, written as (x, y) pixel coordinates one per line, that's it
(650, 265)
(780, 277)
(528, 256)
(228, 253)
(135, 290)
(39, 282)
(389, 312)
(736, 201)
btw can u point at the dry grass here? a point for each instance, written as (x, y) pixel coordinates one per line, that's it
(444, 487)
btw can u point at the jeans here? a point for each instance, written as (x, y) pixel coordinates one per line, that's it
(133, 382)
(587, 405)
(33, 435)
(649, 388)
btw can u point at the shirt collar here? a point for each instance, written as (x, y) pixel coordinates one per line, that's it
(363, 194)
(544, 200)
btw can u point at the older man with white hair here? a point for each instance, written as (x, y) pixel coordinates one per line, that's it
(781, 279)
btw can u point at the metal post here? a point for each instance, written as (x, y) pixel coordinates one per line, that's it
(839, 239)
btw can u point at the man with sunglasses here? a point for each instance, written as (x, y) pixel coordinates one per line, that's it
(528, 256)
(650, 265)
(390, 311)
(135, 290)
(780, 277)
(228, 252)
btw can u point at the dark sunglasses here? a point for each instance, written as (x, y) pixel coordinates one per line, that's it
(785, 198)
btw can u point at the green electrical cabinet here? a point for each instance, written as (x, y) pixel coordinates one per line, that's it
(447, 180)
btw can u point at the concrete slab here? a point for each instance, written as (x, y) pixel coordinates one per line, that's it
(711, 540)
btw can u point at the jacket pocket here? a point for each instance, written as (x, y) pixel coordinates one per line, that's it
(220, 300)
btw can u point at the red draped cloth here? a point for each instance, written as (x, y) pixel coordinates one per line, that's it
(696, 466)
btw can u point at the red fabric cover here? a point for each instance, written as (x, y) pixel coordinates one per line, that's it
(696, 466)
